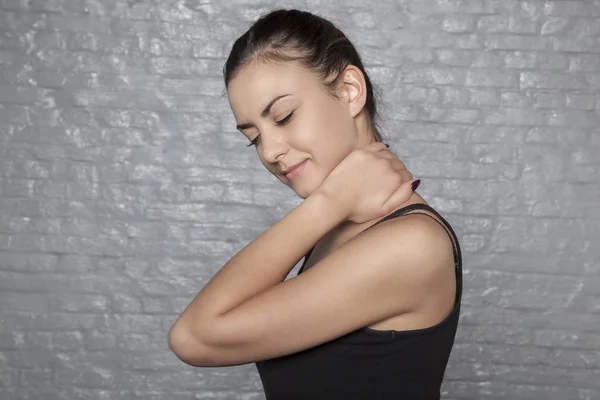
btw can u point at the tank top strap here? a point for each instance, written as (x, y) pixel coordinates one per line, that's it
(410, 209)
(414, 209)
(444, 224)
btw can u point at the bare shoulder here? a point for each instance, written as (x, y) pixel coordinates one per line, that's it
(423, 272)
(422, 242)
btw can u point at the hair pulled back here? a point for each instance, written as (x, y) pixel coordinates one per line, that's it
(312, 41)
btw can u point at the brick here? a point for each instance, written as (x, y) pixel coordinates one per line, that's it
(555, 25)
(567, 339)
(455, 57)
(459, 24)
(517, 42)
(569, 8)
(493, 23)
(492, 78)
(584, 62)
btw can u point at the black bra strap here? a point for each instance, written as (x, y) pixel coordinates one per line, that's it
(407, 210)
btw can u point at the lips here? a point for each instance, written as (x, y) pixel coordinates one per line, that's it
(292, 171)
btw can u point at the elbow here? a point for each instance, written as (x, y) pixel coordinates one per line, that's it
(188, 349)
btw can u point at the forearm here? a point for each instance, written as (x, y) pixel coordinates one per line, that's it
(266, 261)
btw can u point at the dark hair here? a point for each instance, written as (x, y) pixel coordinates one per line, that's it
(319, 44)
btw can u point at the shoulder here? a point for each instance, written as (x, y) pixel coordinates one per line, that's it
(415, 245)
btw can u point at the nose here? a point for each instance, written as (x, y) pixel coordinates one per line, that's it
(273, 147)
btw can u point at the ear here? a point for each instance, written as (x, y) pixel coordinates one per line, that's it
(353, 89)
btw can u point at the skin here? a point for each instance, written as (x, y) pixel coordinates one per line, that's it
(382, 278)
(322, 129)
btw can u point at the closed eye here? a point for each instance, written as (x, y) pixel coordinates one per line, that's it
(278, 123)
(285, 120)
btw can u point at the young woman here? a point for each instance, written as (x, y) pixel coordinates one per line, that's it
(373, 312)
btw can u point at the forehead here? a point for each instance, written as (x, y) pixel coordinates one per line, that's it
(258, 83)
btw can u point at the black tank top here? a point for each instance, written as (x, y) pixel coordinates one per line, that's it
(370, 364)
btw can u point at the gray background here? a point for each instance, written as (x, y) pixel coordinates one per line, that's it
(124, 186)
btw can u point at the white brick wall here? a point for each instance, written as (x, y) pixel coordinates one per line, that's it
(120, 192)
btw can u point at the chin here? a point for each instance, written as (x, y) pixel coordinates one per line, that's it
(304, 189)
(304, 192)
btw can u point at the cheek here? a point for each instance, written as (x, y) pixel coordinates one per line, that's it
(339, 134)
(330, 144)
(329, 124)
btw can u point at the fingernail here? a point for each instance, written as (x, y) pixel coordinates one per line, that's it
(387, 145)
(415, 184)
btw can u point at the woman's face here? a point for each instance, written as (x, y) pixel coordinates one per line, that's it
(303, 121)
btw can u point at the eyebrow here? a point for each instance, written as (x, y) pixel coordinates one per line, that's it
(264, 112)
